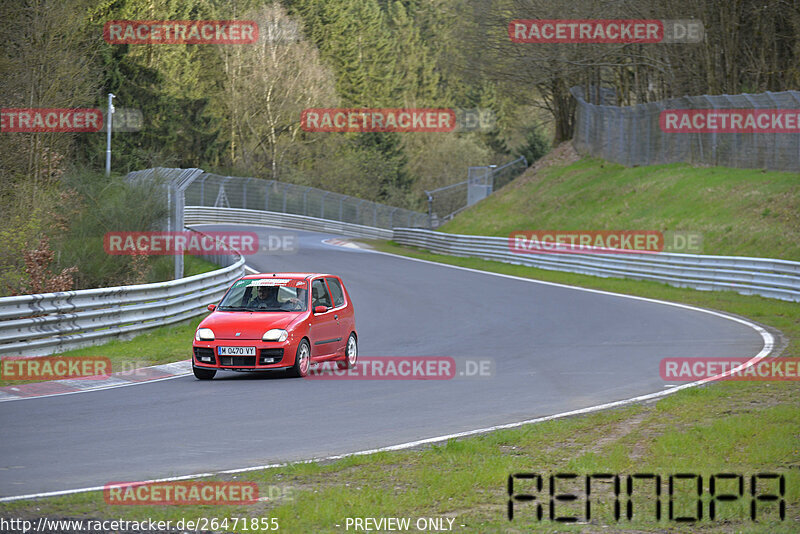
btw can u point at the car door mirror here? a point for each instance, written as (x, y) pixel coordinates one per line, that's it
(212, 307)
(320, 309)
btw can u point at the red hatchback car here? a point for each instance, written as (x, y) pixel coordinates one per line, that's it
(277, 321)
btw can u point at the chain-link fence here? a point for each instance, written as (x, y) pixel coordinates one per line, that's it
(446, 202)
(718, 130)
(271, 195)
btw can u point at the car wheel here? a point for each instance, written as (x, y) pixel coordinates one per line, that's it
(302, 360)
(350, 353)
(203, 374)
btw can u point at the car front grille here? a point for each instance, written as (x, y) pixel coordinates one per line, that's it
(238, 361)
(269, 356)
(204, 355)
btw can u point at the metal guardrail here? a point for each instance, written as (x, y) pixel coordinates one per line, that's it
(274, 196)
(35, 325)
(204, 214)
(47, 323)
(779, 279)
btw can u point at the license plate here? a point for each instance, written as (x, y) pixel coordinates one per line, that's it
(236, 351)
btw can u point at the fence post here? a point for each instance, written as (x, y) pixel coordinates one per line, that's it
(322, 205)
(430, 210)
(305, 200)
(774, 136)
(358, 210)
(266, 194)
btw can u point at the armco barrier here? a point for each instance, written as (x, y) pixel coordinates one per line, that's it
(203, 214)
(779, 279)
(36, 325)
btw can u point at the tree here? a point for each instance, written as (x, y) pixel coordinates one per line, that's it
(47, 61)
(275, 80)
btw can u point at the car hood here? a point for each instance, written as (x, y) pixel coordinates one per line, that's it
(251, 325)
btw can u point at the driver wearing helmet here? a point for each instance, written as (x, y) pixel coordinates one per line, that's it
(267, 297)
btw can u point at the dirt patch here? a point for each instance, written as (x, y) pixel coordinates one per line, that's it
(563, 154)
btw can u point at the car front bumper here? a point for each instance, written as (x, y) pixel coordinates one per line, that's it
(269, 355)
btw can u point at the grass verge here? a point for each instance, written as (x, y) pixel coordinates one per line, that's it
(739, 211)
(730, 427)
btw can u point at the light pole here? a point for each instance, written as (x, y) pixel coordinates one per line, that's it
(108, 134)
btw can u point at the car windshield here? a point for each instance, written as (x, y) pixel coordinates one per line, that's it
(267, 295)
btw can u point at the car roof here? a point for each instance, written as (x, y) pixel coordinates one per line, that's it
(260, 276)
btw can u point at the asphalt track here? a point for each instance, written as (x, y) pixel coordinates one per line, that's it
(555, 349)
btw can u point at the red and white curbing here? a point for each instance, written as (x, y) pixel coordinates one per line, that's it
(80, 385)
(340, 243)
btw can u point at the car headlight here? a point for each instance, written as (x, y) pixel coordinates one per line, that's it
(204, 334)
(276, 334)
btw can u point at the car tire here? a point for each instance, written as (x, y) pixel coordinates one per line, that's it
(203, 374)
(350, 353)
(302, 359)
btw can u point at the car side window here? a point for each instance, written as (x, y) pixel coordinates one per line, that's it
(319, 294)
(336, 291)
